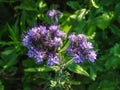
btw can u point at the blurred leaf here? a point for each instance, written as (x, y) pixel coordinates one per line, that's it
(107, 85)
(27, 5)
(7, 43)
(66, 28)
(41, 4)
(91, 29)
(9, 57)
(9, 1)
(1, 85)
(73, 4)
(7, 52)
(103, 21)
(65, 46)
(75, 82)
(14, 32)
(115, 30)
(94, 4)
(117, 10)
(79, 14)
(92, 73)
(78, 20)
(112, 58)
(77, 69)
(115, 57)
(29, 63)
(38, 69)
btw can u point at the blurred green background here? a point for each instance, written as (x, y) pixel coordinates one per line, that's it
(98, 19)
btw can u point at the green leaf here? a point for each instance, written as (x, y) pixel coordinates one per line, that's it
(7, 43)
(9, 57)
(117, 10)
(112, 57)
(73, 4)
(13, 32)
(27, 5)
(79, 14)
(38, 69)
(115, 30)
(65, 46)
(92, 73)
(94, 4)
(66, 28)
(75, 82)
(7, 52)
(103, 21)
(29, 63)
(1, 85)
(77, 69)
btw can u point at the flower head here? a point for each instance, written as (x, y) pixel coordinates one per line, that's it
(91, 55)
(78, 59)
(42, 41)
(80, 48)
(54, 15)
(53, 60)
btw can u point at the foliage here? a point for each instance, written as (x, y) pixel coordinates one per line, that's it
(98, 19)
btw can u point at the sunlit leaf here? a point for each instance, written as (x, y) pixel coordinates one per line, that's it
(38, 69)
(94, 4)
(77, 69)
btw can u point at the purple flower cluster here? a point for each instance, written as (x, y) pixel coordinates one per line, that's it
(80, 48)
(43, 42)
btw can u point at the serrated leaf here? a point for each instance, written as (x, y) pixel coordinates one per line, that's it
(77, 69)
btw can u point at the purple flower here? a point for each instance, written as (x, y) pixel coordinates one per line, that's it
(31, 53)
(69, 50)
(53, 13)
(54, 28)
(42, 40)
(53, 60)
(81, 37)
(57, 41)
(42, 30)
(80, 48)
(91, 55)
(26, 41)
(39, 55)
(60, 34)
(32, 33)
(78, 59)
(86, 45)
(72, 38)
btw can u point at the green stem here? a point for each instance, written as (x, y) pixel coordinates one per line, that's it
(69, 62)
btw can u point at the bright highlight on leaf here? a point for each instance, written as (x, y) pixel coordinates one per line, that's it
(94, 4)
